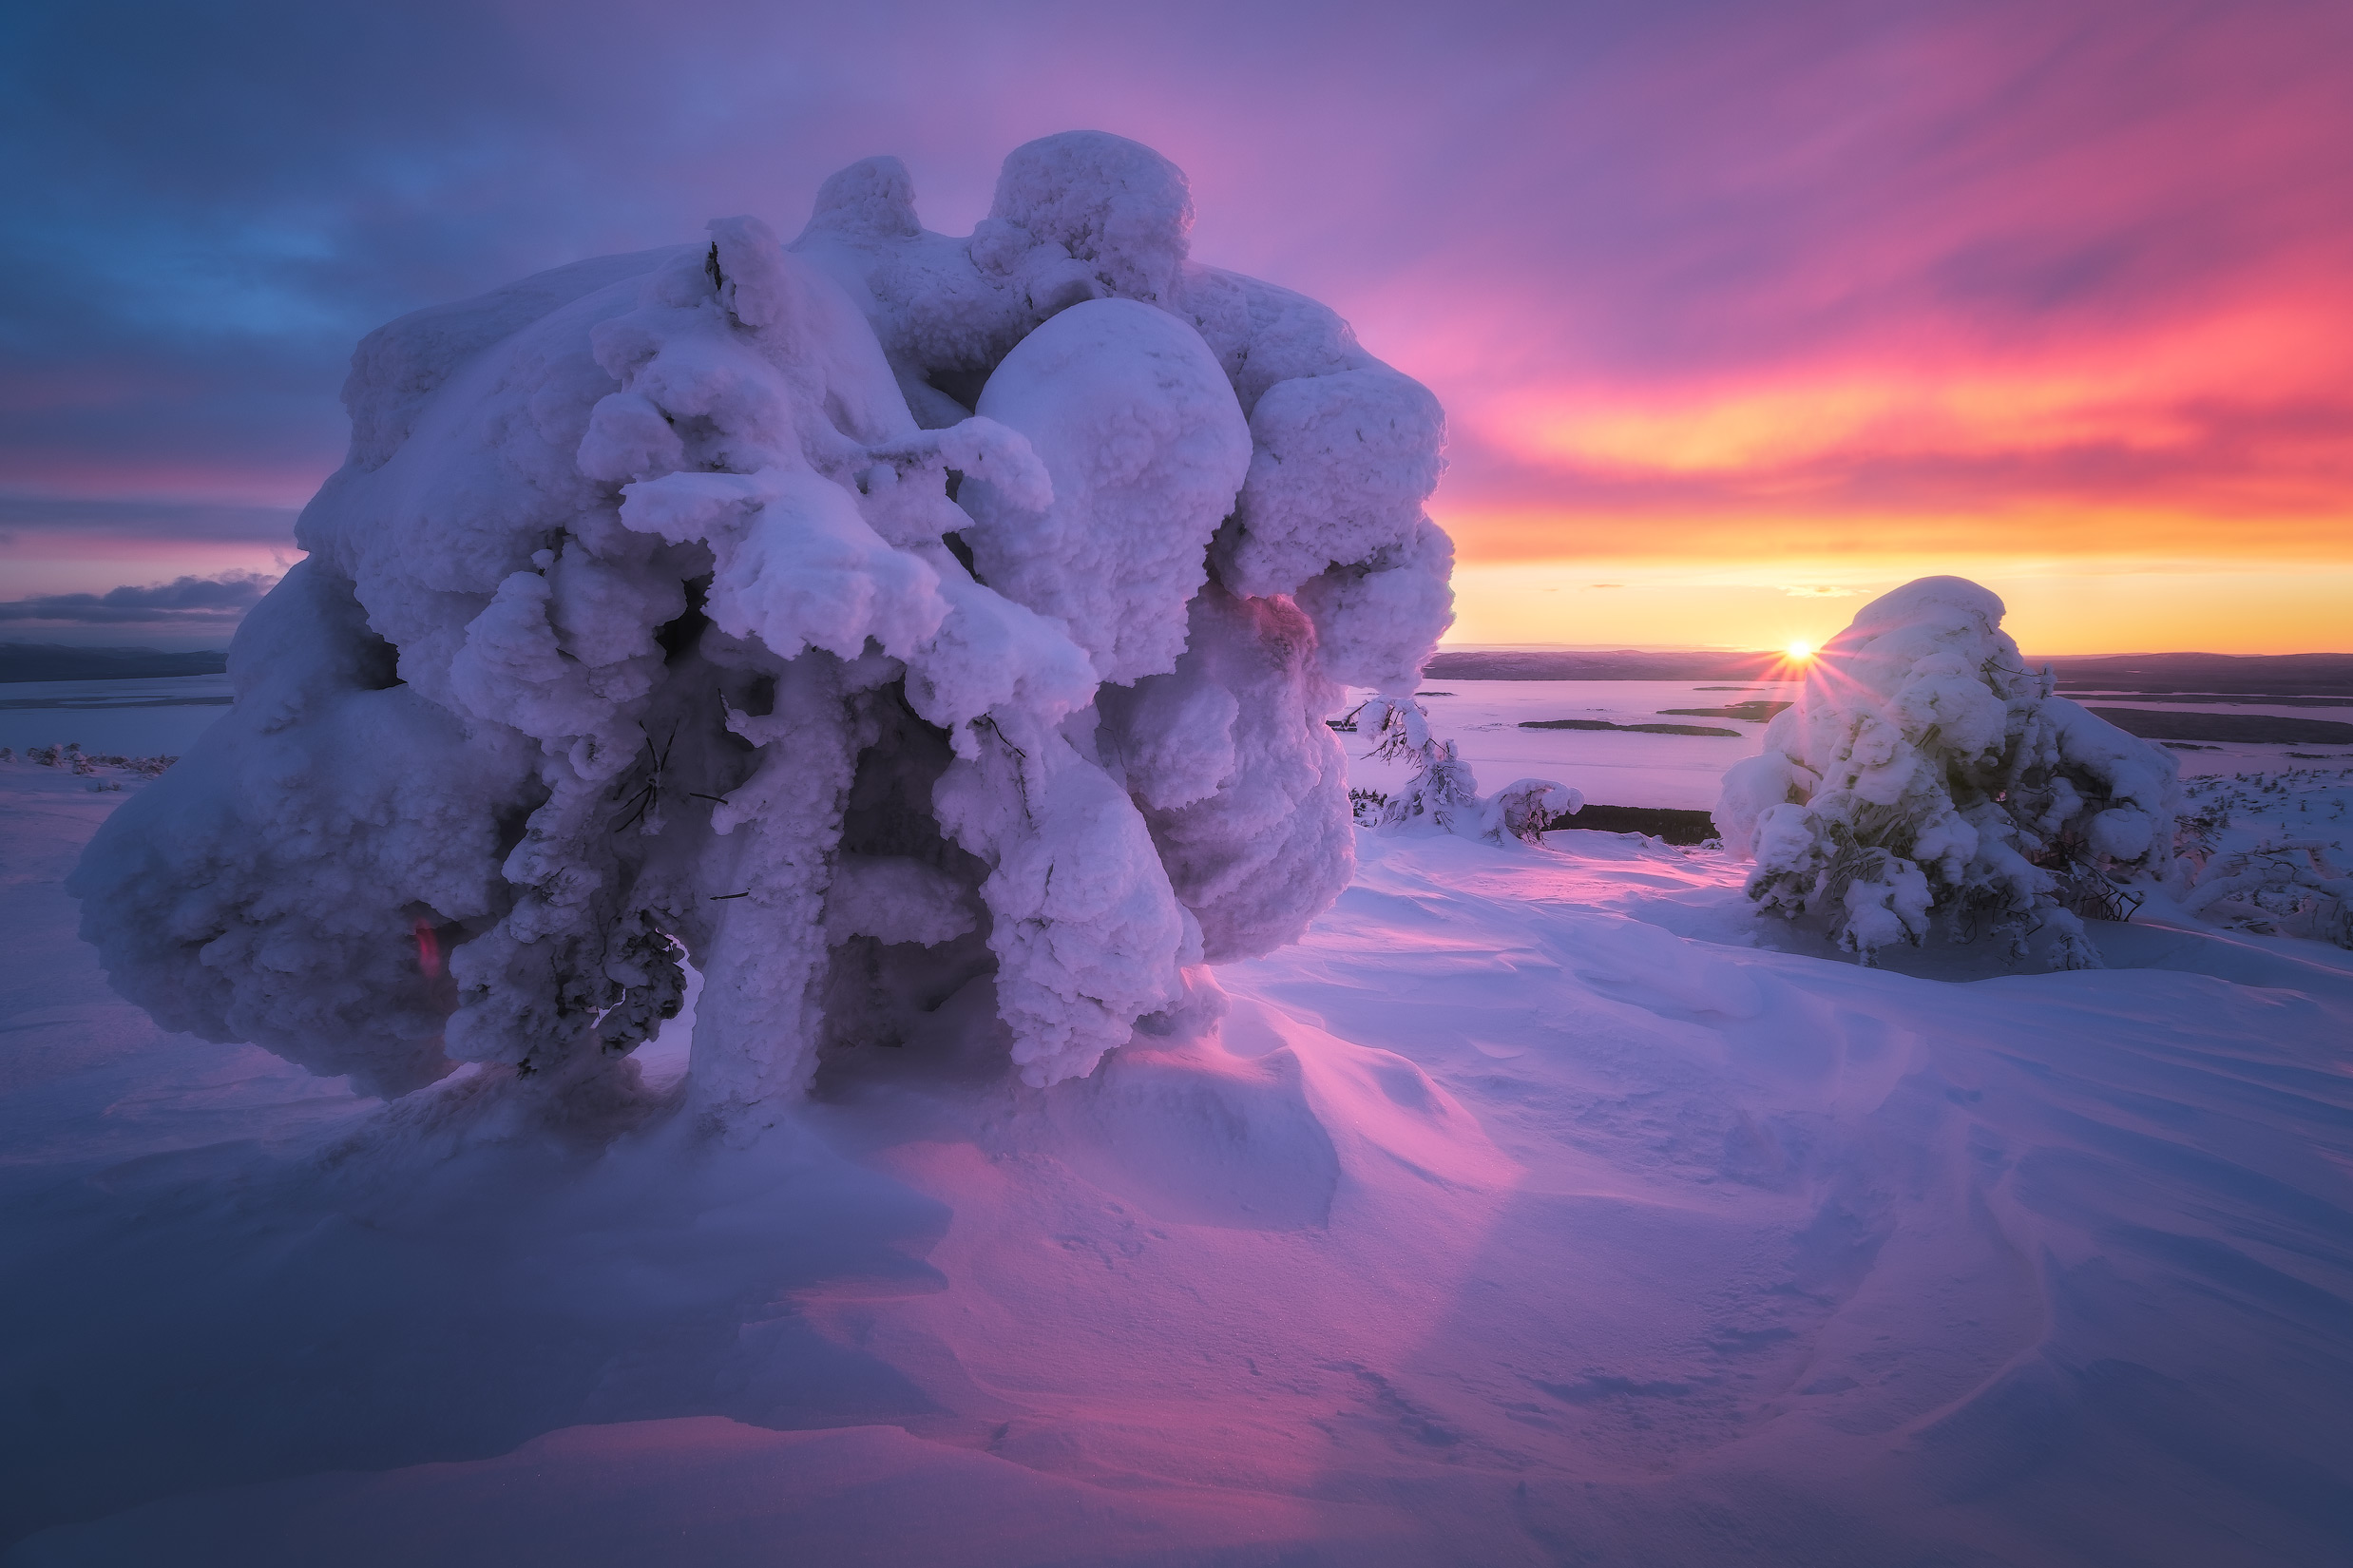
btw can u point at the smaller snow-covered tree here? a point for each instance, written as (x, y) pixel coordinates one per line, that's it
(1443, 793)
(1924, 769)
(1525, 808)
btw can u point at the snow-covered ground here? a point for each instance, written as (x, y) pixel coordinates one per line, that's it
(1543, 1206)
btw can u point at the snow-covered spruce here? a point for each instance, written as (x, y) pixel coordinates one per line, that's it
(870, 618)
(1443, 793)
(1924, 768)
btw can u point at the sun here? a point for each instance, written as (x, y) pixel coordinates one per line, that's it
(1800, 652)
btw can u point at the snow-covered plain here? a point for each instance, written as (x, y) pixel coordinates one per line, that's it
(1542, 1206)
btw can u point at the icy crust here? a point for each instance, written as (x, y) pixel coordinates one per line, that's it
(865, 621)
(1924, 768)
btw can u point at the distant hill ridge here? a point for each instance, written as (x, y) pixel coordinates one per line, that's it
(55, 661)
(2286, 674)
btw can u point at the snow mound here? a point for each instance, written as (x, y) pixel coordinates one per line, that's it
(1924, 768)
(857, 621)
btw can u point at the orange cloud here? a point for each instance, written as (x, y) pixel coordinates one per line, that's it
(2154, 396)
(1755, 529)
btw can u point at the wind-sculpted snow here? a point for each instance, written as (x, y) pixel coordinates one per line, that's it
(1924, 768)
(1541, 1205)
(862, 622)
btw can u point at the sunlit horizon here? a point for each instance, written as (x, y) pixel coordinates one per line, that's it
(1735, 324)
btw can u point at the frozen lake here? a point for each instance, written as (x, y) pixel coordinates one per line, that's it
(1482, 717)
(1680, 772)
(142, 717)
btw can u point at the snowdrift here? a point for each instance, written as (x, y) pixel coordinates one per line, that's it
(868, 621)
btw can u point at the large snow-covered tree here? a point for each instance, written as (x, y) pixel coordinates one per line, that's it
(1924, 768)
(862, 620)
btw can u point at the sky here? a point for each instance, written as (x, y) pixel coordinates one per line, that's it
(1741, 313)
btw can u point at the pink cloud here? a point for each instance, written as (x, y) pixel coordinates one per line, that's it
(1755, 277)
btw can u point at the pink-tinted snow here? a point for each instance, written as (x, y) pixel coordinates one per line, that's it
(1533, 1210)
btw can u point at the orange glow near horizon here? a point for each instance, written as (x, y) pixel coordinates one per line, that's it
(2151, 392)
(2055, 607)
(2191, 488)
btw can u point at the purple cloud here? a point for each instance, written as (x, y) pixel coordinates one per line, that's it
(184, 602)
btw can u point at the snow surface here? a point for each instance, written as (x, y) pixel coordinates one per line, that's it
(1533, 1210)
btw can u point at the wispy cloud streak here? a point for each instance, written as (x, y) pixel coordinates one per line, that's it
(186, 601)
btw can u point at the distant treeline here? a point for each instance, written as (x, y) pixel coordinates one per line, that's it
(2232, 675)
(54, 661)
(2286, 675)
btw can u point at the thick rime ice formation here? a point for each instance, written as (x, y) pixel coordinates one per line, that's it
(862, 621)
(1923, 767)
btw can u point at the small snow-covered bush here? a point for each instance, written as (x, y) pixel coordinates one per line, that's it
(2288, 886)
(1924, 768)
(872, 617)
(1525, 808)
(74, 759)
